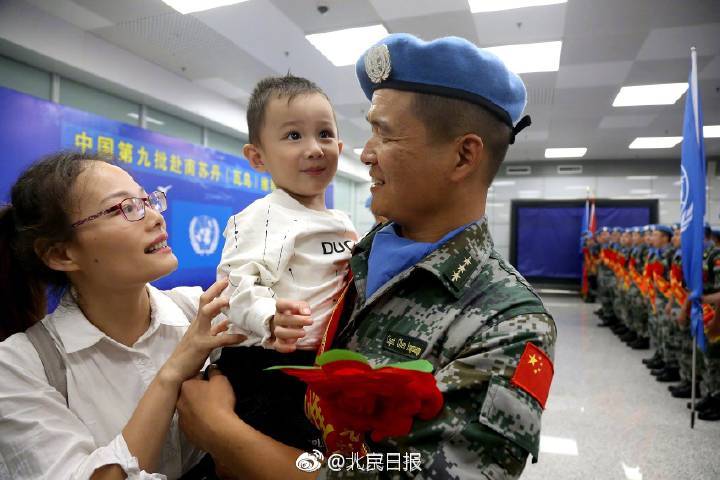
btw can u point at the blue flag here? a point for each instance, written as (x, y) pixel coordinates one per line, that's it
(585, 225)
(692, 202)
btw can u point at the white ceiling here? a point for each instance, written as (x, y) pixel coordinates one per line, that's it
(606, 44)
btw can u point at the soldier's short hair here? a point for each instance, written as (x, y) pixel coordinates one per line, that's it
(448, 118)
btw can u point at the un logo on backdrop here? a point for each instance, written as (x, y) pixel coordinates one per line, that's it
(204, 234)
(686, 208)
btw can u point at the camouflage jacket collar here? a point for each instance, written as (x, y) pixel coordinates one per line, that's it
(456, 263)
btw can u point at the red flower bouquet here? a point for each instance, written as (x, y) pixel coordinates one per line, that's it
(383, 401)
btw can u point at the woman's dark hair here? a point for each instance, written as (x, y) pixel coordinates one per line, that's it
(36, 219)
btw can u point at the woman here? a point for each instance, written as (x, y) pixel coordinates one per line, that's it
(81, 224)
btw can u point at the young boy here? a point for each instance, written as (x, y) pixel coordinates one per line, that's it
(286, 256)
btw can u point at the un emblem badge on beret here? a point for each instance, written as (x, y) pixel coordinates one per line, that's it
(377, 63)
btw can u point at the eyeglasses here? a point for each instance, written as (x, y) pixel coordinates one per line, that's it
(133, 209)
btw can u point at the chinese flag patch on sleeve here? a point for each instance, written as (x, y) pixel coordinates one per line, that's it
(534, 373)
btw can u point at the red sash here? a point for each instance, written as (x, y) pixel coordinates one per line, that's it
(344, 441)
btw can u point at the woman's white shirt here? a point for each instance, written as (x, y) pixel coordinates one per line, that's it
(43, 437)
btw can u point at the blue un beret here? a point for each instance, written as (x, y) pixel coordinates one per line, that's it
(617, 229)
(449, 67)
(664, 229)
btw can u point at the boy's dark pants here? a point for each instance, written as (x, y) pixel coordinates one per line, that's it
(271, 401)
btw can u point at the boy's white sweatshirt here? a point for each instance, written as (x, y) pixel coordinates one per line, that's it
(278, 248)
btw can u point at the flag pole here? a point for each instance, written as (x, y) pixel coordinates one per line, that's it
(693, 59)
(692, 386)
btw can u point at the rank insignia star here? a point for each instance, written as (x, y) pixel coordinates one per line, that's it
(458, 271)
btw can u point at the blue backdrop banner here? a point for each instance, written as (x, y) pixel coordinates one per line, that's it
(204, 186)
(547, 236)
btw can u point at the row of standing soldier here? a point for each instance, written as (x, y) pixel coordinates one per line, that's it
(636, 274)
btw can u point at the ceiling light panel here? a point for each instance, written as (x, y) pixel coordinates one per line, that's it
(659, 94)
(711, 131)
(478, 6)
(344, 47)
(190, 6)
(655, 142)
(565, 152)
(530, 57)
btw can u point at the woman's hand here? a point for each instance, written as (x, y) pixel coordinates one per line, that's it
(200, 338)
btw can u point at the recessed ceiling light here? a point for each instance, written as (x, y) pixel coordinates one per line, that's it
(530, 57)
(190, 6)
(565, 152)
(577, 187)
(711, 131)
(497, 5)
(642, 177)
(343, 47)
(503, 183)
(655, 142)
(640, 191)
(357, 151)
(659, 94)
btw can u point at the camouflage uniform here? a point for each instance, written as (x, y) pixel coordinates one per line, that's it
(604, 274)
(620, 298)
(709, 360)
(470, 314)
(611, 280)
(637, 310)
(663, 320)
(710, 380)
(593, 276)
(680, 336)
(653, 312)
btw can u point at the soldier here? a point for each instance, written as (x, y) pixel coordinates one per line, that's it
(716, 236)
(612, 280)
(594, 257)
(680, 333)
(620, 303)
(709, 361)
(586, 292)
(443, 114)
(636, 305)
(648, 291)
(606, 311)
(660, 317)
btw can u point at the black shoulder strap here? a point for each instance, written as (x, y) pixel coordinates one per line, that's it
(50, 357)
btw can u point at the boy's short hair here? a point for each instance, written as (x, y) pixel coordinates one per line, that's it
(288, 86)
